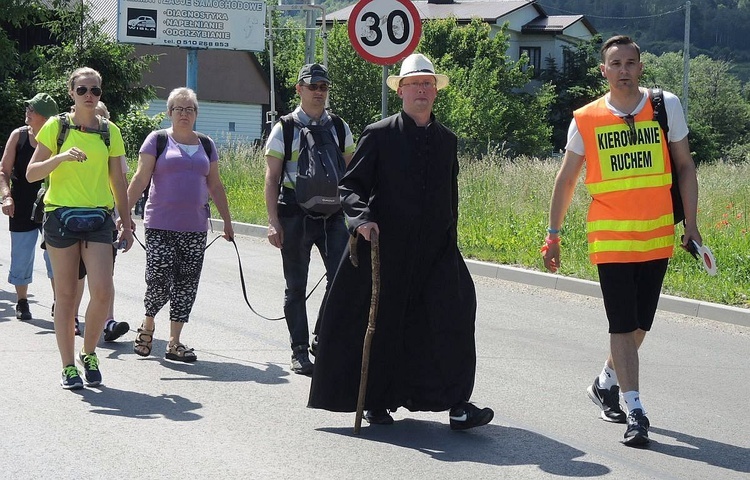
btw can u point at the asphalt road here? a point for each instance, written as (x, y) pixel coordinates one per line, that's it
(240, 413)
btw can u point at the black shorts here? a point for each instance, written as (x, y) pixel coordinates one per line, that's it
(82, 266)
(57, 236)
(631, 293)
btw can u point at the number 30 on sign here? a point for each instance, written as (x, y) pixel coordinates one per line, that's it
(384, 31)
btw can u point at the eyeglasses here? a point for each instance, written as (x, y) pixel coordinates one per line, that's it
(422, 85)
(95, 91)
(314, 87)
(630, 121)
(186, 110)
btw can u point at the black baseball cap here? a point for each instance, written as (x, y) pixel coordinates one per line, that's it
(313, 73)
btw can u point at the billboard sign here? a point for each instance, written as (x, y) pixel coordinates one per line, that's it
(223, 24)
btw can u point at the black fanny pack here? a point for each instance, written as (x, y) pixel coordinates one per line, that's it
(78, 219)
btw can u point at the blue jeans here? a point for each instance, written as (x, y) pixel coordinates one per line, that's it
(300, 234)
(22, 251)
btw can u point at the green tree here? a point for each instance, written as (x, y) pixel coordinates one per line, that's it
(577, 84)
(289, 52)
(75, 41)
(486, 105)
(81, 42)
(357, 83)
(718, 113)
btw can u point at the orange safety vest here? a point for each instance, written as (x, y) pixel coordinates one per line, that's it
(630, 216)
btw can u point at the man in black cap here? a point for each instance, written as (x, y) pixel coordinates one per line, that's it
(291, 228)
(19, 196)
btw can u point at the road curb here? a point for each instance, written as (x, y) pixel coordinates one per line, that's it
(669, 303)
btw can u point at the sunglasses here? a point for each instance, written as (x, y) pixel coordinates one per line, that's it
(314, 87)
(630, 121)
(95, 91)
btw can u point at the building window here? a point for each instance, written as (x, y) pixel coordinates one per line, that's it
(231, 126)
(535, 59)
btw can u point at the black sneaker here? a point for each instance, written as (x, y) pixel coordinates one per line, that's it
(608, 401)
(301, 363)
(118, 330)
(637, 433)
(22, 309)
(467, 415)
(90, 363)
(78, 328)
(314, 346)
(71, 378)
(378, 417)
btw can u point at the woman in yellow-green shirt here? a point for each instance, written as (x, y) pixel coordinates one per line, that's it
(84, 172)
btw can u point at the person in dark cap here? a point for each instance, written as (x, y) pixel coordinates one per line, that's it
(289, 227)
(402, 184)
(19, 196)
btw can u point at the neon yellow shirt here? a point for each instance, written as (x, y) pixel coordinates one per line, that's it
(80, 184)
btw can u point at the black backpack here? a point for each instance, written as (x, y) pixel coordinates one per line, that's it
(660, 115)
(161, 145)
(320, 165)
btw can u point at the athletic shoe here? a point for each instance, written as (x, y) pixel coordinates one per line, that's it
(378, 417)
(314, 346)
(78, 328)
(301, 363)
(118, 330)
(22, 309)
(91, 371)
(467, 415)
(637, 432)
(608, 401)
(71, 378)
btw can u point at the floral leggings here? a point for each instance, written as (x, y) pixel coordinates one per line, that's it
(173, 269)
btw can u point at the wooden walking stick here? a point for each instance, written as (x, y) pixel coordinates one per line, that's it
(375, 256)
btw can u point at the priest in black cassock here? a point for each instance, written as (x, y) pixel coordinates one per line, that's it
(402, 183)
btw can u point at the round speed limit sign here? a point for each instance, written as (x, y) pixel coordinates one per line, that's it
(384, 31)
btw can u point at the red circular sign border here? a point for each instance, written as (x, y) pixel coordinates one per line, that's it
(384, 60)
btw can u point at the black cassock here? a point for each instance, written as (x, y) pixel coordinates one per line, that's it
(404, 178)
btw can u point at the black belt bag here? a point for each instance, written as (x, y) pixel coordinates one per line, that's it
(78, 219)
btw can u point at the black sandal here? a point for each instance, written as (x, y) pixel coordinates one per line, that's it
(143, 340)
(180, 353)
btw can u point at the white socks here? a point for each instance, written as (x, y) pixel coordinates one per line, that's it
(608, 378)
(632, 401)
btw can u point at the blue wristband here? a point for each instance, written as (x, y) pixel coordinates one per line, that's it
(552, 231)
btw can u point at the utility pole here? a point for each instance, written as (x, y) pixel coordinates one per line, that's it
(310, 32)
(686, 60)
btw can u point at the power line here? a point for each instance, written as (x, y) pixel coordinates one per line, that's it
(641, 17)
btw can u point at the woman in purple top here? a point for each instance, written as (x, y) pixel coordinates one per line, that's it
(176, 220)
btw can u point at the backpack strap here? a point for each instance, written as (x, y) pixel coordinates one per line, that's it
(65, 126)
(64, 129)
(23, 137)
(287, 128)
(206, 142)
(104, 130)
(338, 123)
(660, 112)
(161, 142)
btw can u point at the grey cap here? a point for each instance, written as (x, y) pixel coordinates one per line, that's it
(313, 73)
